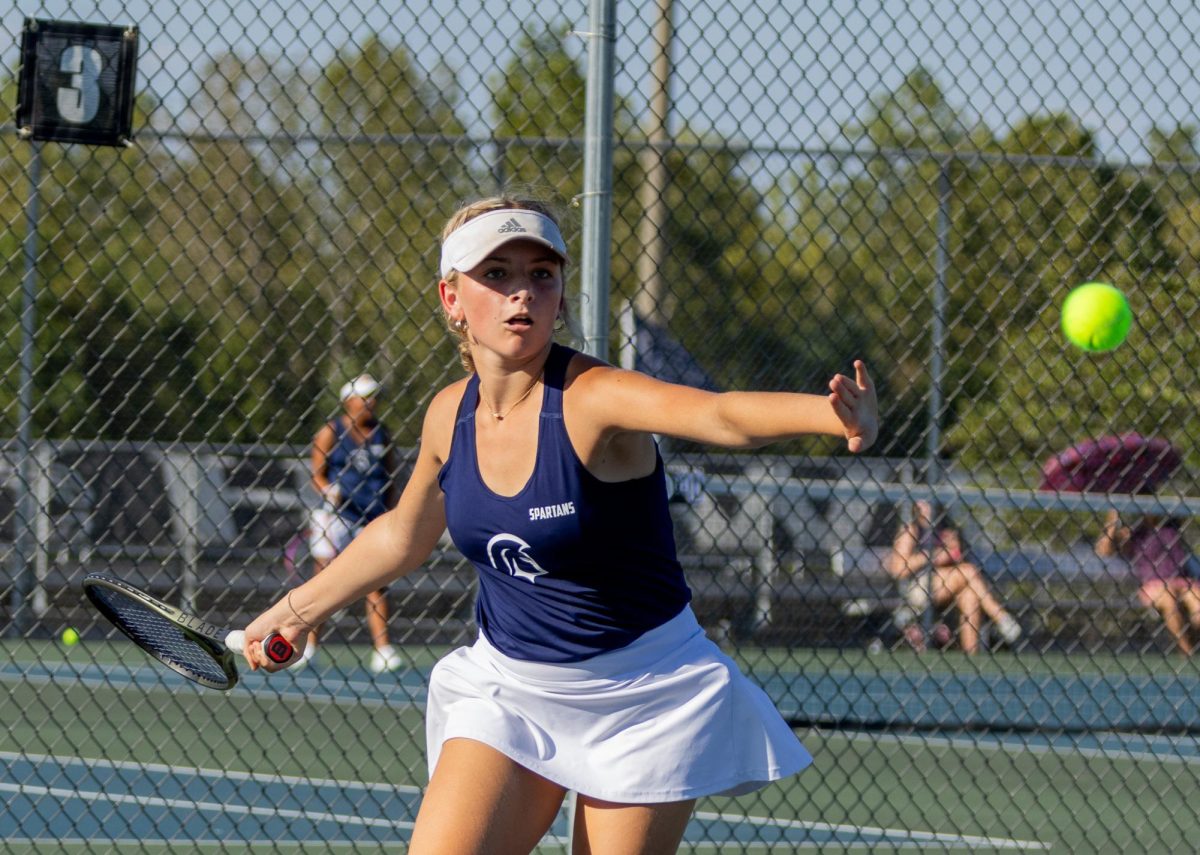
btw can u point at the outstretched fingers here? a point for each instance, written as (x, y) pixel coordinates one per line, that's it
(854, 403)
(861, 375)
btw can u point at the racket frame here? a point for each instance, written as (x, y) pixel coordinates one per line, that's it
(208, 636)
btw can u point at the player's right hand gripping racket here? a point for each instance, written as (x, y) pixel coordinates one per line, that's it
(196, 649)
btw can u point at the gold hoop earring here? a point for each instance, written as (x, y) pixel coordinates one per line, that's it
(461, 325)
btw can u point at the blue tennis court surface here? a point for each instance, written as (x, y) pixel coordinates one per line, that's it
(1025, 702)
(331, 686)
(109, 797)
(51, 799)
(1028, 702)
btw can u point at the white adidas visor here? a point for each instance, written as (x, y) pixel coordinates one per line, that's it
(476, 239)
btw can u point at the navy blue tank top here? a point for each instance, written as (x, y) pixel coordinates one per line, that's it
(359, 471)
(571, 566)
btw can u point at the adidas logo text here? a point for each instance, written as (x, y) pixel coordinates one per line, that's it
(510, 226)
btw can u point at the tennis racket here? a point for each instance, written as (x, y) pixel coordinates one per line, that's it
(185, 643)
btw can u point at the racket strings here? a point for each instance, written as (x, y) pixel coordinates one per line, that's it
(161, 638)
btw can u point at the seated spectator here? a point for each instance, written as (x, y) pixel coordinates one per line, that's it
(951, 579)
(1160, 557)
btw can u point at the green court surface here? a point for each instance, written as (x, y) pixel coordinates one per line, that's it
(100, 745)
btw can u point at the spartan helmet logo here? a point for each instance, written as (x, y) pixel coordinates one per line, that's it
(509, 553)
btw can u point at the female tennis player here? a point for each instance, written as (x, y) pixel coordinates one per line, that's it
(590, 672)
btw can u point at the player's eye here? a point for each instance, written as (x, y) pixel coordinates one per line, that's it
(542, 273)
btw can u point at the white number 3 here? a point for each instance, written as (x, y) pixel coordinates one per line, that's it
(80, 101)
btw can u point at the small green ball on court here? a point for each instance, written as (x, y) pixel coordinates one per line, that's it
(1096, 317)
(70, 637)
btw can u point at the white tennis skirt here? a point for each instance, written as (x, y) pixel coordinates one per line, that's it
(667, 718)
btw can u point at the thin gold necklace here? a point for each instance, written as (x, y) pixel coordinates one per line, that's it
(501, 416)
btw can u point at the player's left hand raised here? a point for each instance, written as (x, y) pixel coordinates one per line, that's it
(854, 404)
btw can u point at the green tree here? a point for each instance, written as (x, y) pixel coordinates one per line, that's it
(114, 353)
(868, 229)
(397, 172)
(1055, 217)
(539, 112)
(1176, 158)
(1003, 226)
(239, 224)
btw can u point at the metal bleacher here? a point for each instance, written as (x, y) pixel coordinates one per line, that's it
(203, 526)
(768, 543)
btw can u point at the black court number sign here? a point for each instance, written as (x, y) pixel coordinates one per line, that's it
(76, 82)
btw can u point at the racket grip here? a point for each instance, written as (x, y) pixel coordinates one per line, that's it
(277, 648)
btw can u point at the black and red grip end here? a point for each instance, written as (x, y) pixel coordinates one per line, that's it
(278, 648)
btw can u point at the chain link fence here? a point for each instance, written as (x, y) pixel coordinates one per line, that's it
(792, 187)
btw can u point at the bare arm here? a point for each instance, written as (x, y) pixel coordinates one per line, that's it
(392, 546)
(392, 467)
(619, 401)
(319, 459)
(906, 557)
(1113, 537)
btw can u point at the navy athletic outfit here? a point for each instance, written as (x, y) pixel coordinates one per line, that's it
(590, 668)
(359, 472)
(571, 566)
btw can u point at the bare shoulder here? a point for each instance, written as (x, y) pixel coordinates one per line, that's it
(589, 378)
(590, 385)
(438, 428)
(608, 400)
(325, 437)
(587, 367)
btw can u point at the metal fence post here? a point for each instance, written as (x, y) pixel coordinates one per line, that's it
(937, 360)
(25, 500)
(596, 197)
(42, 524)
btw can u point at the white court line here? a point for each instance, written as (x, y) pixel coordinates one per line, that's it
(257, 777)
(210, 807)
(996, 744)
(826, 845)
(63, 793)
(220, 774)
(128, 678)
(900, 837)
(903, 834)
(122, 844)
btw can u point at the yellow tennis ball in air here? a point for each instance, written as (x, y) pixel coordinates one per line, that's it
(1096, 317)
(70, 637)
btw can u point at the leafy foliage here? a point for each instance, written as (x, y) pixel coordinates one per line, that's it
(221, 286)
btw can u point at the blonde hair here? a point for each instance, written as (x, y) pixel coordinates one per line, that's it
(465, 214)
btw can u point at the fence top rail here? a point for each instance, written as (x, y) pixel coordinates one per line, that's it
(155, 447)
(762, 483)
(950, 494)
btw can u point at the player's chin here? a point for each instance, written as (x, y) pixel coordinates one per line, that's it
(526, 338)
(522, 343)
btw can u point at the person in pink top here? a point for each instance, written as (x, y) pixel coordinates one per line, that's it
(1156, 549)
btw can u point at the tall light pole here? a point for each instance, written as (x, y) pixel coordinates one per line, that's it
(650, 301)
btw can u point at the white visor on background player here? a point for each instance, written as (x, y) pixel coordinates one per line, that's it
(476, 239)
(363, 386)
